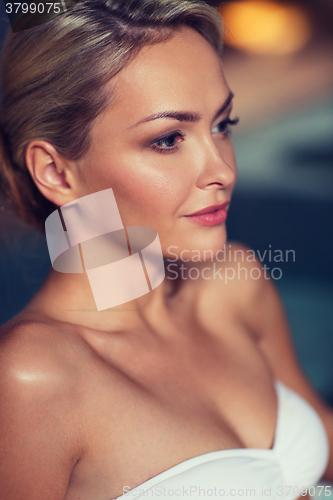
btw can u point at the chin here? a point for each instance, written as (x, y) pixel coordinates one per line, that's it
(201, 247)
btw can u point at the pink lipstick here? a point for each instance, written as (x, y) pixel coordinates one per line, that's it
(210, 216)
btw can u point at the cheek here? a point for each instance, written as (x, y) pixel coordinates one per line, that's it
(157, 187)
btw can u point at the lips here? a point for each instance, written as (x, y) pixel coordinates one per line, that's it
(211, 209)
(213, 215)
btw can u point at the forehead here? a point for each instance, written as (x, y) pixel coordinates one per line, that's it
(182, 73)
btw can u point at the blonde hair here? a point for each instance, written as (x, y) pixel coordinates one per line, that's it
(53, 79)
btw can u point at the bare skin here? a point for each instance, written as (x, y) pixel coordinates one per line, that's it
(95, 401)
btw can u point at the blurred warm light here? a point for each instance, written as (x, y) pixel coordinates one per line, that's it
(265, 27)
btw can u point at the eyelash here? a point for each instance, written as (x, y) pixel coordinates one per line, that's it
(178, 133)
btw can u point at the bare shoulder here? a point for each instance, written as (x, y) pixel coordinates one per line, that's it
(236, 274)
(41, 363)
(231, 289)
(40, 392)
(29, 347)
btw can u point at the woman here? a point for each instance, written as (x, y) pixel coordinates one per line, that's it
(192, 389)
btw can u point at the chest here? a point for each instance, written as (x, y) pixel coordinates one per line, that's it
(157, 403)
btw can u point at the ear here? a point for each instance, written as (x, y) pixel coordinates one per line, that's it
(55, 177)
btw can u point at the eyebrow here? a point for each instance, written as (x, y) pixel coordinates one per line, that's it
(185, 116)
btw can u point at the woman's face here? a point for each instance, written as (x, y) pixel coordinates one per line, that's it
(164, 168)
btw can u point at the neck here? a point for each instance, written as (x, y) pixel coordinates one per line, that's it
(68, 298)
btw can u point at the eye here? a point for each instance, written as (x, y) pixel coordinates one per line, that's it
(168, 143)
(224, 126)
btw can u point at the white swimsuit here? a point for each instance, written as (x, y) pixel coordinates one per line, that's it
(297, 460)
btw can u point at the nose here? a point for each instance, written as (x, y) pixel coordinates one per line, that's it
(217, 165)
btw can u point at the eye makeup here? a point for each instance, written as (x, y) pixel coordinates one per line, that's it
(167, 143)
